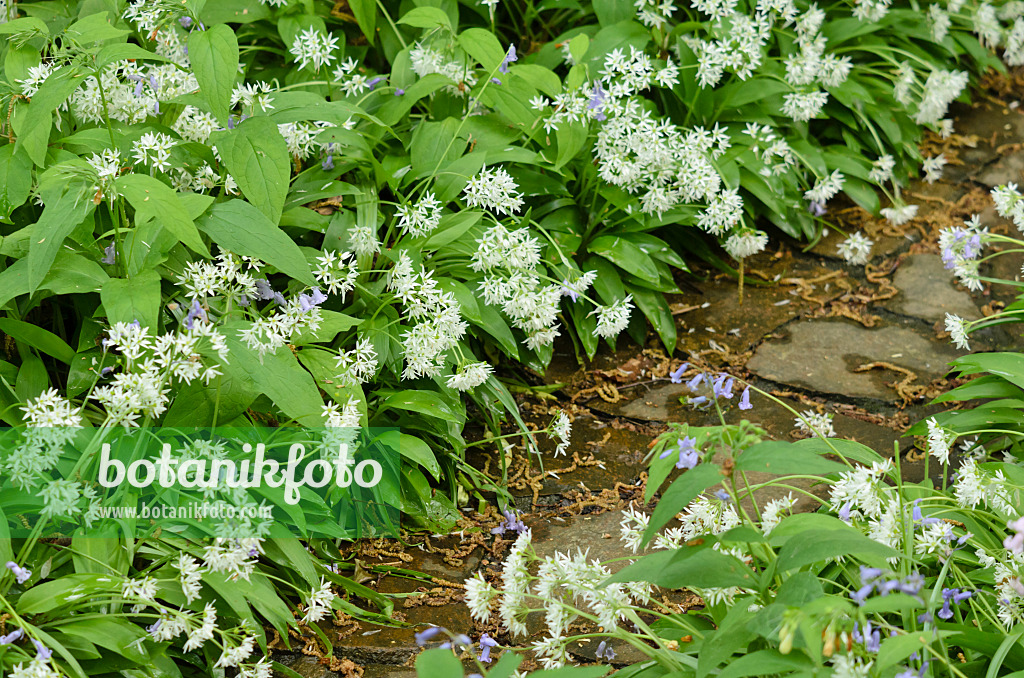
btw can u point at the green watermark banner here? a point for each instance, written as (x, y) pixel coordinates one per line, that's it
(231, 483)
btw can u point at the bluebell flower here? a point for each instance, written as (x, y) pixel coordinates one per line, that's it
(21, 574)
(110, 255)
(425, 635)
(510, 56)
(42, 652)
(11, 637)
(604, 651)
(694, 383)
(486, 643)
(512, 523)
(745, 399)
(676, 375)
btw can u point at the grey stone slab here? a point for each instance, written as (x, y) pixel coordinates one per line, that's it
(927, 291)
(820, 355)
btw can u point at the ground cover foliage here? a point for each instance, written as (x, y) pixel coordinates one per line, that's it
(306, 215)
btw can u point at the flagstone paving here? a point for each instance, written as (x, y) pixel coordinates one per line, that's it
(865, 343)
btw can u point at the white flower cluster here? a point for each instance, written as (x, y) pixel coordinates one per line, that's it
(493, 189)
(426, 60)
(565, 584)
(856, 249)
(509, 261)
(438, 318)
(419, 218)
(313, 48)
(819, 425)
(152, 364)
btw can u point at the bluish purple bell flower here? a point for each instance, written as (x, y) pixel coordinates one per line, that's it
(399, 92)
(264, 290)
(328, 162)
(496, 81)
(21, 574)
(317, 296)
(597, 101)
(918, 518)
(676, 375)
(816, 208)
(374, 82)
(425, 635)
(512, 523)
(14, 635)
(42, 652)
(110, 255)
(695, 383)
(185, 21)
(486, 643)
(723, 496)
(844, 511)
(196, 311)
(604, 651)
(952, 597)
(745, 400)
(689, 457)
(510, 56)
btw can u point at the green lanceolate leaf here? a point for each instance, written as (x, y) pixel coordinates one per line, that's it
(58, 220)
(256, 156)
(137, 298)
(213, 54)
(240, 228)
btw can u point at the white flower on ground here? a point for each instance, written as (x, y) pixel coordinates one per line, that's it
(856, 249)
(320, 600)
(817, 424)
(561, 430)
(899, 215)
(479, 594)
(957, 328)
(745, 243)
(933, 168)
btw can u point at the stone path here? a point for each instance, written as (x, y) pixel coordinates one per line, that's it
(865, 343)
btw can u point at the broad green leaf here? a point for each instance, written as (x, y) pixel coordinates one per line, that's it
(53, 594)
(625, 255)
(481, 44)
(426, 17)
(238, 227)
(213, 54)
(38, 338)
(137, 298)
(114, 633)
(58, 220)
(438, 663)
(424, 402)
(257, 157)
(93, 28)
(365, 12)
(413, 449)
(32, 124)
(153, 199)
(688, 567)
(70, 274)
(783, 458)
(124, 51)
(278, 375)
(15, 179)
(812, 546)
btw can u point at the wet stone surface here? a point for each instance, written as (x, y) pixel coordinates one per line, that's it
(922, 293)
(819, 356)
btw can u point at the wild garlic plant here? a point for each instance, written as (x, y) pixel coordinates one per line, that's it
(863, 572)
